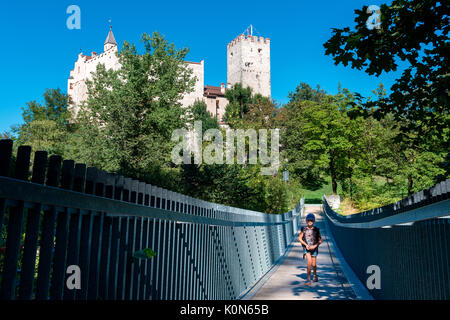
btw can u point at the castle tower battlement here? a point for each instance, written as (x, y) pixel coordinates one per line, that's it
(248, 62)
(243, 37)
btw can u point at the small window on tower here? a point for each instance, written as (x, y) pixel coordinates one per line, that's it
(231, 53)
(259, 50)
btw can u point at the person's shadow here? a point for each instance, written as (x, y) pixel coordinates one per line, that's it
(329, 286)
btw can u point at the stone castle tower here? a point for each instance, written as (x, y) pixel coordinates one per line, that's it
(248, 62)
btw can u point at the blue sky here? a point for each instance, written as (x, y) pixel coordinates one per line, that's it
(38, 50)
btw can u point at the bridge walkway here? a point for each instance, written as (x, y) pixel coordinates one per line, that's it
(287, 281)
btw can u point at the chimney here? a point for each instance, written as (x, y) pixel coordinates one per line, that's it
(93, 54)
(222, 88)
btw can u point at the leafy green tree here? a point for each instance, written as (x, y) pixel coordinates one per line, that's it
(239, 99)
(193, 179)
(199, 112)
(127, 121)
(317, 139)
(7, 135)
(304, 92)
(276, 196)
(416, 33)
(262, 114)
(46, 125)
(54, 108)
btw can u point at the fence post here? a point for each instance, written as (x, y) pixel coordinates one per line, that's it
(32, 231)
(47, 235)
(6, 147)
(85, 234)
(15, 228)
(75, 220)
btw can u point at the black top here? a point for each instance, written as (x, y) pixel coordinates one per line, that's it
(311, 235)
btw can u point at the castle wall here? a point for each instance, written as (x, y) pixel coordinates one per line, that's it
(216, 110)
(198, 71)
(84, 67)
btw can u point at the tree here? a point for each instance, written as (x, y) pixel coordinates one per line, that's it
(416, 33)
(7, 135)
(304, 92)
(127, 121)
(239, 99)
(46, 125)
(318, 138)
(262, 114)
(199, 112)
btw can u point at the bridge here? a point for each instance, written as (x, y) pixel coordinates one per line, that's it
(75, 233)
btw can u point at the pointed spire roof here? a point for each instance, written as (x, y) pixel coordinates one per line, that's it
(110, 38)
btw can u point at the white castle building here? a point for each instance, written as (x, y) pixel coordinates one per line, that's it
(248, 62)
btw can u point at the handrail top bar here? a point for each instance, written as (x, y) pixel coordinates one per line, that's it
(434, 210)
(437, 193)
(14, 189)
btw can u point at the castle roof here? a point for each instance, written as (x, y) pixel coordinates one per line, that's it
(213, 91)
(110, 38)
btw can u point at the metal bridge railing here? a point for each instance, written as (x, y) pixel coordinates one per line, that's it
(68, 215)
(409, 241)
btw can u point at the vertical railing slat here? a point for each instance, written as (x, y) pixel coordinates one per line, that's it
(85, 254)
(122, 258)
(6, 147)
(94, 263)
(48, 232)
(143, 265)
(13, 240)
(59, 258)
(115, 238)
(32, 231)
(130, 263)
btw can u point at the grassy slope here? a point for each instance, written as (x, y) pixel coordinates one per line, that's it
(315, 196)
(295, 192)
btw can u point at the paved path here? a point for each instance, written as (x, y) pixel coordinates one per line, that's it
(288, 281)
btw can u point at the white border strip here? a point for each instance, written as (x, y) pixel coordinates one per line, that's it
(434, 210)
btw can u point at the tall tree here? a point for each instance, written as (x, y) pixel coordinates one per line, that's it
(199, 112)
(239, 99)
(317, 139)
(304, 92)
(46, 124)
(416, 33)
(128, 118)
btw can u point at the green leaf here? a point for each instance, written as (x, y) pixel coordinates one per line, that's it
(146, 253)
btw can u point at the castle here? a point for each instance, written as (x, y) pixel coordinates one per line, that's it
(248, 63)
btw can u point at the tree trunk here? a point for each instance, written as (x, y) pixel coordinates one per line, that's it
(410, 185)
(410, 178)
(333, 174)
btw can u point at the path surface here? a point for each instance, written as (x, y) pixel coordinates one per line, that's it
(288, 281)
